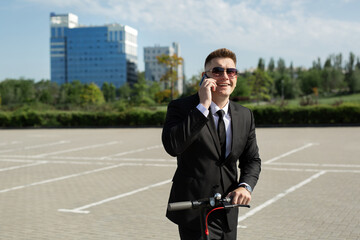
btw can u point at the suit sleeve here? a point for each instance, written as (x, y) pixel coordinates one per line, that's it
(182, 124)
(250, 162)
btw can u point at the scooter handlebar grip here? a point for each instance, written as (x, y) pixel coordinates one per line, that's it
(180, 206)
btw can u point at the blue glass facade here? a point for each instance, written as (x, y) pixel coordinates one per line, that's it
(92, 54)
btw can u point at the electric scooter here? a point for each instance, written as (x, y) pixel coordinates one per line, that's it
(206, 206)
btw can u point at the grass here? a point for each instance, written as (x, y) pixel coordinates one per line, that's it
(353, 98)
(329, 100)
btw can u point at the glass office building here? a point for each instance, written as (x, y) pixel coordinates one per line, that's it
(89, 54)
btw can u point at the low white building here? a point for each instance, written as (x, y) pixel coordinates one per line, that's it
(154, 70)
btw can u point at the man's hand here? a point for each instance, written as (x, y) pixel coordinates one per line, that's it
(240, 196)
(205, 95)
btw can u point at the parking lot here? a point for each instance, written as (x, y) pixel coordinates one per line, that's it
(114, 184)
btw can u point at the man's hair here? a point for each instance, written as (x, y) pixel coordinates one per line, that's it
(220, 53)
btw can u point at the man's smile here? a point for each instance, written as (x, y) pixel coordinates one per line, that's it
(223, 84)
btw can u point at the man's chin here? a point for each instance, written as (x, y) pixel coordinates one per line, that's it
(223, 94)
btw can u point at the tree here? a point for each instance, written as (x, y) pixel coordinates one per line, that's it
(242, 89)
(163, 96)
(357, 63)
(124, 92)
(172, 63)
(261, 64)
(260, 83)
(309, 80)
(154, 87)
(354, 81)
(140, 92)
(337, 61)
(192, 85)
(144, 92)
(70, 93)
(327, 63)
(46, 91)
(8, 92)
(15, 91)
(91, 94)
(317, 64)
(284, 80)
(331, 77)
(109, 91)
(286, 86)
(27, 91)
(272, 73)
(351, 77)
(281, 66)
(271, 66)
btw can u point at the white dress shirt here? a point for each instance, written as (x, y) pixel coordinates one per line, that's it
(227, 120)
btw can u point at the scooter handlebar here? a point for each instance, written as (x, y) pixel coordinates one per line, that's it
(177, 206)
(180, 206)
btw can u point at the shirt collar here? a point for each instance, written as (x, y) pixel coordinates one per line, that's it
(214, 108)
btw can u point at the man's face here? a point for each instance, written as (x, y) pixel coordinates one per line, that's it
(225, 83)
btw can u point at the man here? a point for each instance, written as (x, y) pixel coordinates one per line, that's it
(207, 163)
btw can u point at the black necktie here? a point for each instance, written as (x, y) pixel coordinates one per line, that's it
(222, 133)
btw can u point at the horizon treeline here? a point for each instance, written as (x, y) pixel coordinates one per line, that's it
(268, 82)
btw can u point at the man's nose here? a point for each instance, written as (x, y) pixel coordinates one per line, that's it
(225, 75)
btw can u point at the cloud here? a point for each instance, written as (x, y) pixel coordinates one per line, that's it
(283, 27)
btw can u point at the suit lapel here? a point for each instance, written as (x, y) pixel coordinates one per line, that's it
(235, 117)
(210, 125)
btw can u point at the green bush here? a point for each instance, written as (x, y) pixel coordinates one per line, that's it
(5, 119)
(138, 117)
(264, 115)
(290, 115)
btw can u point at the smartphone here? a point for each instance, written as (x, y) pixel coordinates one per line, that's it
(203, 78)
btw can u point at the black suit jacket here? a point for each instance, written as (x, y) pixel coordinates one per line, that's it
(192, 138)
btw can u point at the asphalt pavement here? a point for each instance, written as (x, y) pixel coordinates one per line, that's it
(114, 184)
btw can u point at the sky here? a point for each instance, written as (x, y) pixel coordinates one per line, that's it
(298, 31)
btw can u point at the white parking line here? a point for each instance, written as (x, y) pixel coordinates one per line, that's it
(47, 145)
(75, 149)
(151, 162)
(35, 146)
(82, 209)
(290, 152)
(279, 196)
(22, 166)
(12, 158)
(11, 143)
(133, 151)
(117, 159)
(8, 159)
(63, 177)
(311, 170)
(315, 165)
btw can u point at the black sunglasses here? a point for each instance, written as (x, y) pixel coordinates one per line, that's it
(219, 71)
